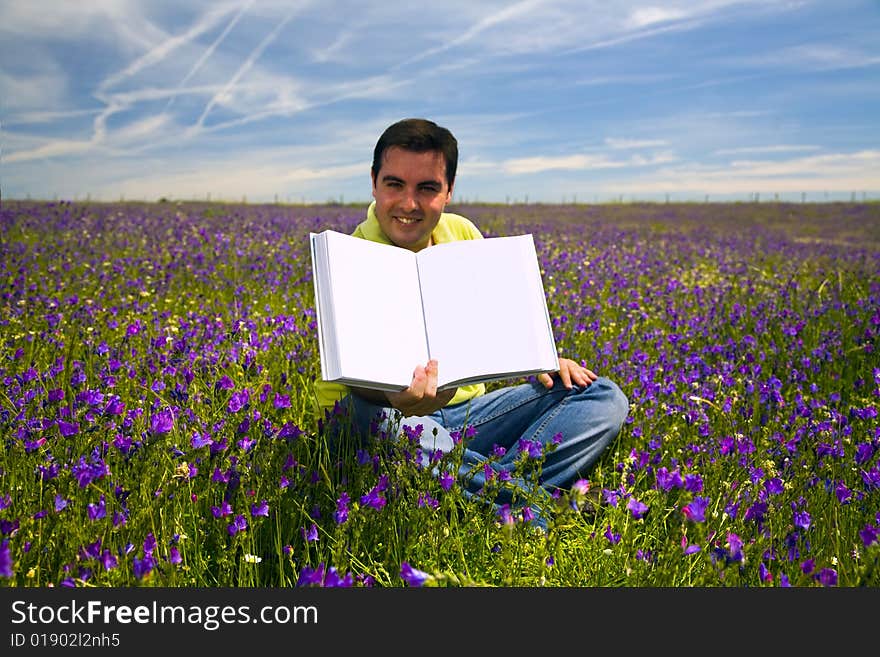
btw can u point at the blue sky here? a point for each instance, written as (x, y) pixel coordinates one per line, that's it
(551, 101)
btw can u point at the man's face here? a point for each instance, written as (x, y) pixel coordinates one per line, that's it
(411, 193)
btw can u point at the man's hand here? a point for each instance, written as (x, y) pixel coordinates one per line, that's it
(571, 373)
(421, 398)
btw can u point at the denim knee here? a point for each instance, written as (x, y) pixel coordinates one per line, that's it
(616, 401)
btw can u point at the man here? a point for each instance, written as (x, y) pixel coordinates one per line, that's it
(413, 174)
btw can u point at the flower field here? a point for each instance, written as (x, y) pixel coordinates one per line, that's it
(156, 404)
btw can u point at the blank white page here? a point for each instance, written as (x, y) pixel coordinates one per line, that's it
(485, 308)
(381, 335)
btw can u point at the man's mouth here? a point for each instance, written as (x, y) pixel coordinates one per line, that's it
(407, 220)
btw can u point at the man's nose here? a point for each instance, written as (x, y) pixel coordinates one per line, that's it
(408, 200)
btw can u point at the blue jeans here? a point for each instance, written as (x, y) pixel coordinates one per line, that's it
(583, 421)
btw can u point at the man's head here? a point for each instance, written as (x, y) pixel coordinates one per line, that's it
(413, 173)
(420, 136)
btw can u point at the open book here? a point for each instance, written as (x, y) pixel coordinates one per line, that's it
(477, 306)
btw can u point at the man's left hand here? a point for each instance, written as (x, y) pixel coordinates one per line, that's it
(570, 373)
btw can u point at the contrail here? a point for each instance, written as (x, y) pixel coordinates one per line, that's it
(210, 51)
(244, 68)
(164, 49)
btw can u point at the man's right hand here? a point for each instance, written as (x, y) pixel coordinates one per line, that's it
(421, 398)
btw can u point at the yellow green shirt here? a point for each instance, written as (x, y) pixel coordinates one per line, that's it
(450, 228)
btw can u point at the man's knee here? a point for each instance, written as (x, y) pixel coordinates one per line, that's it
(615, 401)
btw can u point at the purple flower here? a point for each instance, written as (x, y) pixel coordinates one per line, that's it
(505, 516)
(533, 448)
(200, 440)
(734, 543)
(143, 567)
(8, 527)
(223, 510)
(6, 560)
(289, 431)
(427, 500)
(310, 534)
(97, 511)
(60, 503)
(224, 383)
(756, 512)
(238, 400)
(696, 510)
(864, 452)
(412, 576)
(333, 580)
(827, 577)
(666, 480)
(802, 520)
(108, 560)
(638, 509)
(92, 550)
(238, 525)
(309, 576)
(174, 555)
(115, 406)
(281, 401)
(373, 499)
(122, 443)
(612, 537)
(341, 513)
(261, 509)
(446, 480)
(774, 486)
(693, 483)
(68, 429)
(869, 535)
(162, 422)
(91, 397)
(611, 497)
(580, 487)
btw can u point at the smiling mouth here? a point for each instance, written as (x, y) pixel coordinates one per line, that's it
(407, 221)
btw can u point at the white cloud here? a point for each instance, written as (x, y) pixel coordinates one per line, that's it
(52, 149)
(581, 162)
(21, 93)
(836, 172)
(779, 148)
(611, 142)
(644, 16)
(810, 56)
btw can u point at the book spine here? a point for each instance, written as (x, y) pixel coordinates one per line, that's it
(422, 308)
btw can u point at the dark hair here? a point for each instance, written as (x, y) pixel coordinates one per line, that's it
(421, 136)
